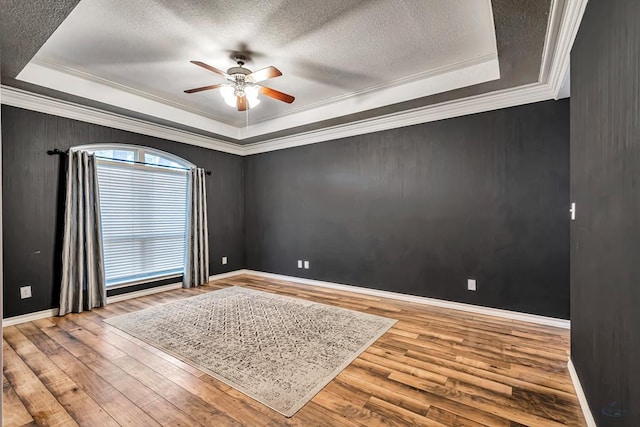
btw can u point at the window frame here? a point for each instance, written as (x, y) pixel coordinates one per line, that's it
(139, 156)
(138, 153)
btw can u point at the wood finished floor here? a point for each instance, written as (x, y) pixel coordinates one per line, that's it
(435, 367)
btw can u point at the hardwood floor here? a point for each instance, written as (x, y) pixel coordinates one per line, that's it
(435, 367)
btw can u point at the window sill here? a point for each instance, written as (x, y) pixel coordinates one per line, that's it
(142, 281)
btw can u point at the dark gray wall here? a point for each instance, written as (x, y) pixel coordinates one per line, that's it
(32, 205)
(605, 184)
(420, 209)
(414, 210)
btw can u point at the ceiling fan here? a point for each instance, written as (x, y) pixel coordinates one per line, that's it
(242, 90)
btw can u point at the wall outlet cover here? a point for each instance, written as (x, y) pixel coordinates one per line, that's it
(471, 284)
(25, 292)
(224, 259)
(299, 263)
(306, 265)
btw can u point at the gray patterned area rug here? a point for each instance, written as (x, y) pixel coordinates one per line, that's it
(280, 351)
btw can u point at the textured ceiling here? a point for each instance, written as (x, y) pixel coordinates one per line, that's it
(327, 50)
(24, 26)
(519, 29)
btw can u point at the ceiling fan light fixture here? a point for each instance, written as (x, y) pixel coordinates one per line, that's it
(251, 92)
(229, 96)
(232, 91)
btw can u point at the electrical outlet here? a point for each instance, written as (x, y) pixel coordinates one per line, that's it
(299, 263)
(471, 284)
(25, 292)
(224, 259)
(306, 265)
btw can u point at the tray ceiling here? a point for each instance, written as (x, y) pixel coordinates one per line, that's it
(338, 57)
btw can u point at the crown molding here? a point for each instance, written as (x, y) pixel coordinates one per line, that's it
(39, 72)
(47, 73)
(468, 63)
(455, 76)
(45, 104)
(485, 102)
(476, 104)
(568, 29)
(551, 35)
(564, 20)
(44, 63)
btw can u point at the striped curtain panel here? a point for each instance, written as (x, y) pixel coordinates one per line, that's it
(83, 282)
(196, 270)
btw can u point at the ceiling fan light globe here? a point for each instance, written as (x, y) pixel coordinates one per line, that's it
(227, 91)
(251, 92)
(228, 94)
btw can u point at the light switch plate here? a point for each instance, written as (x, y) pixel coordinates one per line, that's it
(573, 211)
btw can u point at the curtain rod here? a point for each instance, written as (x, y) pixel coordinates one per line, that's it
(58, 151)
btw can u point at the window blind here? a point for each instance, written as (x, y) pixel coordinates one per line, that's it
(144, 220)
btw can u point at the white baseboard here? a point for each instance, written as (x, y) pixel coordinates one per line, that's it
(588, 416)
(29, 317)
(513, 315)
(226, 275)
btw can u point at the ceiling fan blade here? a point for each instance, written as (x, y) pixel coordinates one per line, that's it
(200, 89)
(241, 102)
(264, 74)
(275, 94)
(210, 68)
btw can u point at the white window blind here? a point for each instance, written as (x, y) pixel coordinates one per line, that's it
(144, 218)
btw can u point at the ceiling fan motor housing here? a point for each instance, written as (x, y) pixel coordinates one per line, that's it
(238, 70)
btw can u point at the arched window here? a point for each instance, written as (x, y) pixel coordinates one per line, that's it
(143, 205)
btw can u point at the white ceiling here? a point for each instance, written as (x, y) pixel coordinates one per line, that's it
(337, 56)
